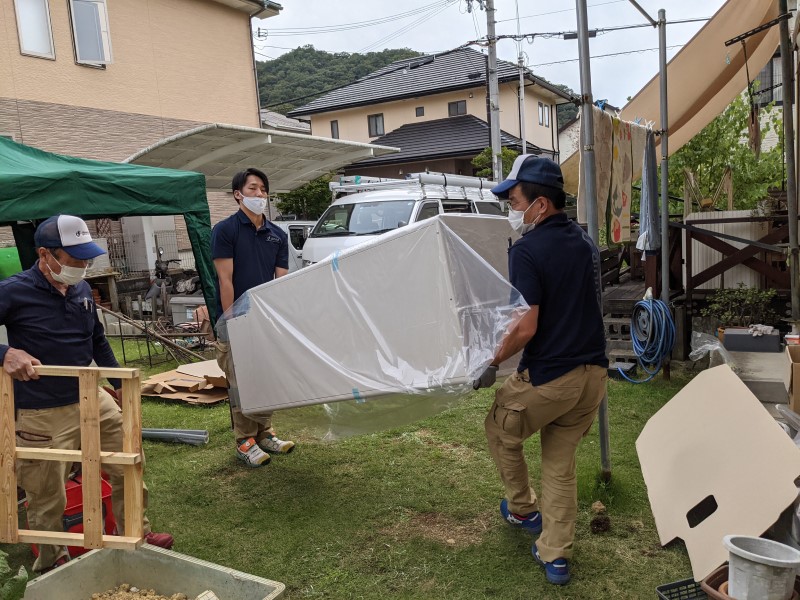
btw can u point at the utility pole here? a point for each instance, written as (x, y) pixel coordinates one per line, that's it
(590, 186)
(494, 93)
(787, 63)
(521, 64)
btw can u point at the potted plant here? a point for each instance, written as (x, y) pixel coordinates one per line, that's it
(740, 307)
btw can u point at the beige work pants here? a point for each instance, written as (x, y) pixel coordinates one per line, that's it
(44, 480)
(563, 410)
(243, 427)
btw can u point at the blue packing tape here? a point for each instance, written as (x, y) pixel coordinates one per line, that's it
(335, 261)
(357, 396)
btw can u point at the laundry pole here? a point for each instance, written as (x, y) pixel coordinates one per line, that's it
(791, 174)
(588, 165)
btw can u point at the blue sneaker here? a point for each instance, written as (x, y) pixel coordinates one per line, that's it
(532, 522)
(556, 572)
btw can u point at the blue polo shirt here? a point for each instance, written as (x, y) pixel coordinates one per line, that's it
(55, 328)
(557, 267)
(255, 252)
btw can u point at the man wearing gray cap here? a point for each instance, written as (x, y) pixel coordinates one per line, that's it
(561, 378)
(51, 319)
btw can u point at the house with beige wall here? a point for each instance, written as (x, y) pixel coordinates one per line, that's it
(434, 109)
(104, 79)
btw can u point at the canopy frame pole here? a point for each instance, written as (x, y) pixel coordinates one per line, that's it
(588, 163)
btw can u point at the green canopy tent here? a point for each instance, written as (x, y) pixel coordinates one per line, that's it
(35, 185)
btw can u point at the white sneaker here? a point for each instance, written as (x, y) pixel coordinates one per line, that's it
(274, 444)
(251, 454)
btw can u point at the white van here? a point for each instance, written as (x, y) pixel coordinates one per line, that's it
(361, 211)
(298, 232)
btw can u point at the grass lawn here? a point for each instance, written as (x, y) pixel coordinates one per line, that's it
(406, 513)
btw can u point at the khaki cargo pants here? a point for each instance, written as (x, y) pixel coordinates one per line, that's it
(243, 427)
(44, 480)
(563, 410)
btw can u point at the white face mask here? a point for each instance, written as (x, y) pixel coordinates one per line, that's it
(516, 218)
(68, 275)
(254, 204)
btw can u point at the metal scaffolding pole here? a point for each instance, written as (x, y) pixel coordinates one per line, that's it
(791, 175)
(587, 158)
(662, 68)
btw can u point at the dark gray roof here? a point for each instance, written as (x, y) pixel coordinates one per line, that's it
(466, 135)
(413, 77)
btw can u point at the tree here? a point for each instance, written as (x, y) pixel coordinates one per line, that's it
(308, 201)
(307, 73)
(723, 142)
(484, 161)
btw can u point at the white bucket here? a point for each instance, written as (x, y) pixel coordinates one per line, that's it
(760, 569)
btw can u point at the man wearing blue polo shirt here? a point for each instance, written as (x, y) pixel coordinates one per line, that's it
(247, 250)
(561, 378)
(51, 319)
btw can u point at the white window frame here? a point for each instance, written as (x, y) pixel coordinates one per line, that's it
(547, 115)
(52, 54)
(541, 113)
(335, 129)
(104, 33)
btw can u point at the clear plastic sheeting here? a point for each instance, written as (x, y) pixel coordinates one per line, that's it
(415, 311)
(704, 343)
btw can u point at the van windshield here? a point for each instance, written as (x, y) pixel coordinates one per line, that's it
(490, 208)
(363, 218)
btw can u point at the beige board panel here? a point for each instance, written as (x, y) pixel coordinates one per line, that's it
(715, 439)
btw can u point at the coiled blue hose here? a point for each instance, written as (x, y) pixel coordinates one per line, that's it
(653, 336)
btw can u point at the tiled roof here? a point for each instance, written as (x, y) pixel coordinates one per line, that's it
(421, 76)
(466, 135)
(273, 120)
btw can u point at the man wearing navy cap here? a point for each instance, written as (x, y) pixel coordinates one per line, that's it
(561, 377)
(51, 319)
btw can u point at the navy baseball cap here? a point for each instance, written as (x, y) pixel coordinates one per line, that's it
(69, 233)
(533, 169)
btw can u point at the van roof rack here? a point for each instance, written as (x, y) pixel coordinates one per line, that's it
(442, 181)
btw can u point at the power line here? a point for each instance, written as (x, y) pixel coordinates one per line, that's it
(293, 31)
(601, 30)
(553, 12)
(410, 26)
(558, 62)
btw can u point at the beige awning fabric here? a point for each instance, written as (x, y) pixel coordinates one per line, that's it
(703, 78)
(706, 75)
(220, 151)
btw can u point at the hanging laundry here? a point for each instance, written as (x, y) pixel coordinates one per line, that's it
(618, 223)
(603, 134)
(649, 237)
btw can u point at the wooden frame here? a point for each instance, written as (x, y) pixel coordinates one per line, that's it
(89, 455)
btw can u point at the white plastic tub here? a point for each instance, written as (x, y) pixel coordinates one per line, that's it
(149, 567)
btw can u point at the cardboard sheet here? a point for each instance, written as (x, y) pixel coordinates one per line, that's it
(791, 376)
(716, 463)
(174, 385)
(208, 370)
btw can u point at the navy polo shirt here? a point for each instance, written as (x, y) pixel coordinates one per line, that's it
(557, 267)
(55, 328)
(255, 252)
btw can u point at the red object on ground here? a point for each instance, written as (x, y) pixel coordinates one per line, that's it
(73, 513)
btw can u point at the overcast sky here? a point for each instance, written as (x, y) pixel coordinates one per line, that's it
(437, 25)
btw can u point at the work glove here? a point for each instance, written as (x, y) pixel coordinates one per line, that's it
(487, 378)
